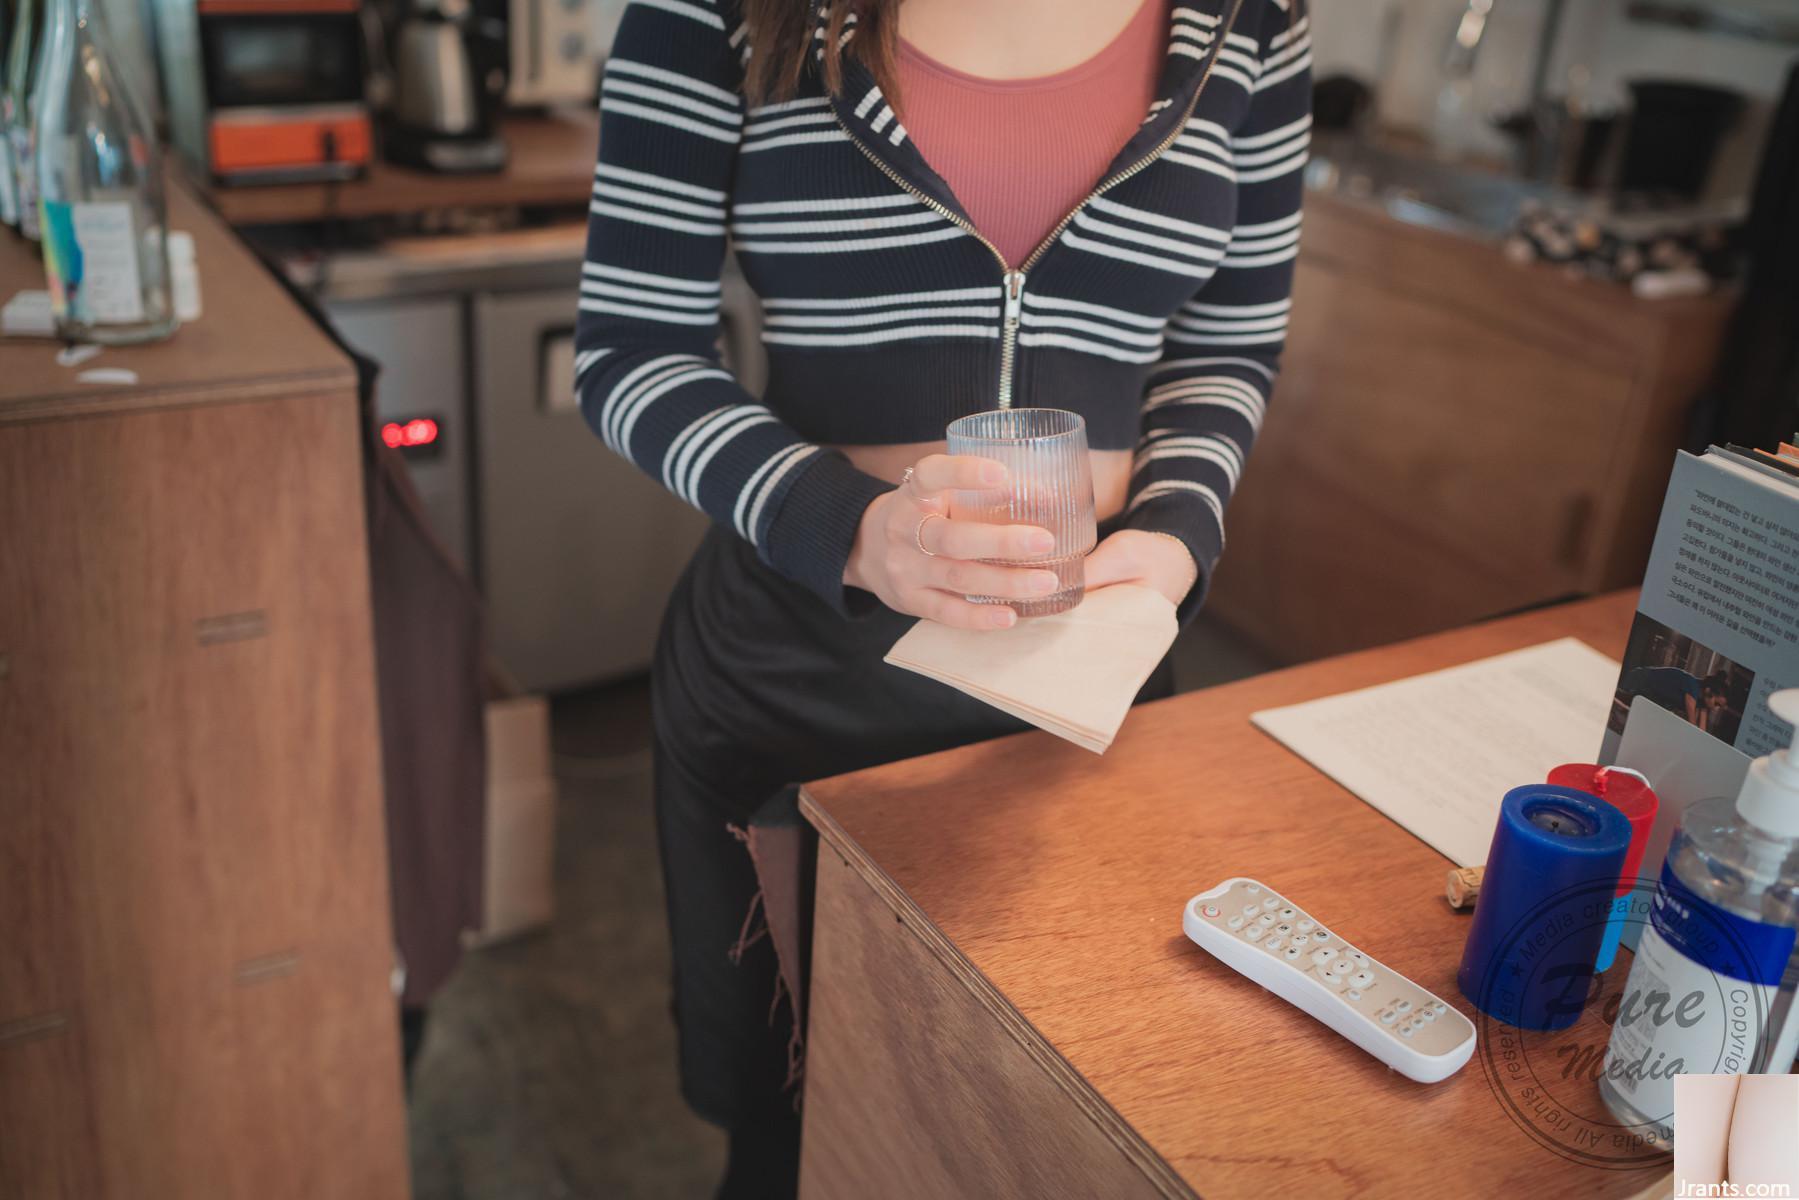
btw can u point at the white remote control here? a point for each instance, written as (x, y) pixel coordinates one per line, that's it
(1259, 934)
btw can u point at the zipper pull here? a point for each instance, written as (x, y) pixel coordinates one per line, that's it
(1014, 282)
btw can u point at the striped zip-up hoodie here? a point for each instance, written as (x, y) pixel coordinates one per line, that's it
(1157, 310)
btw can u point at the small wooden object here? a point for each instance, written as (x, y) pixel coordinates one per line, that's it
(1462, 888)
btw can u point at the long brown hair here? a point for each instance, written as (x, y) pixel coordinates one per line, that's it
(780, 36)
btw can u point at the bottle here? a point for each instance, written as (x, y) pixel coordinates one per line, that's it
(1712, 988)
(22, 61)
(100, 188)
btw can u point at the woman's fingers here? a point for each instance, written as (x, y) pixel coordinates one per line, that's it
(975, 539)
(936, 473)
(946, 609)
(989, 579)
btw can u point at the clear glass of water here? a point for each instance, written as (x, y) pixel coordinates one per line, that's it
(1049, 484)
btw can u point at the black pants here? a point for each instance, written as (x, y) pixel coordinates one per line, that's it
(758, 685)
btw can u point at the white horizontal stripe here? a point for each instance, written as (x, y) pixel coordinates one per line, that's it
(1239, 311)
(1273, 135)
(1232, 470)
(614, 171)
(1057, 303)
(1195, 385)
(1195, 270)
(1245, 81)
(645, 313)
(729, 118)
(1205, 146)
(691, 11)
(834, 320)
(875, 336)
(1204, 164)
(1285, 73)
(1259, 260)
(769, 476)
(1297, 29)
(868, 101)
(1066, 342)
(1275, 172)
(881, 119)
(1258, 325)
(1261, 158)
(1145, 217)
(1279, 241)
(594, 287)
(1217, 339)
(642, 402)
(1183, 363)
(1194, 16)
(1129, 338)
(898, 135)
(1289, 221)
(621, 400)
(678, 224)
(1281, 56)
(797, 139)
(1249, 63)
(588, 358)
(1171, 486)
(642, 112)
(787, 106)
(756, 416)
(651, 200)
(673, 78)
(876, 243)
(887, 301)
(686, 457)
(672, 282)
(1173, 246)
(1251, 413)
(758, 128)
(1243, 42)
(835, 224)
(846, 203)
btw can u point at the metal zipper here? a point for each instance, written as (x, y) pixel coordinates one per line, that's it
(1012, 279)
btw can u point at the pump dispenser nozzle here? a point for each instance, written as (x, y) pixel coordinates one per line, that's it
(1770, 796)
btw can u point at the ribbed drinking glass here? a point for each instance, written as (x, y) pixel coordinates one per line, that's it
(1049, 483)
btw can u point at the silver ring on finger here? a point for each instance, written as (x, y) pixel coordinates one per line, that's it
(918, 534)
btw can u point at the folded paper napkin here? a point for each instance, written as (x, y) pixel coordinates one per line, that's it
(1073, 674)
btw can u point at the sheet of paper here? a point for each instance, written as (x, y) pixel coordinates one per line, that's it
(1438, 752)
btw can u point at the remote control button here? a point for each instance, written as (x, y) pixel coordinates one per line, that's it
(1252, 888)
(1273, 941)
(1403, 1006)
(1265, 920)
(1250, 910)
(1254, 933)
(1361, 979)
(1289, 913)
(1405, 1031)
(1284, 927)
(1387, 1018)
(1292, 953)
(1210, 910)
(1358, 956)
(1439, 1007)
(1429, 1014)
(1341, 967)
(1323, 956)
(1235, 922)
(1322, 933)
(1319, 935)
(1353, 994)
(1306, 926)
(1271, 904)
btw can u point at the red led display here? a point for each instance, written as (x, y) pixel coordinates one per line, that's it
(420, 431)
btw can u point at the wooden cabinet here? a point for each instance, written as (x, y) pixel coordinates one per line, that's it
(194, 990)
(1453, 436)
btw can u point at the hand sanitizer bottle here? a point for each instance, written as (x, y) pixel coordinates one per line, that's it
(1711, 991)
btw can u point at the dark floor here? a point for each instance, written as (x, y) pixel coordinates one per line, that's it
(548, 1065)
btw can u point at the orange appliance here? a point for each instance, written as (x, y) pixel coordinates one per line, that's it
(280, 94)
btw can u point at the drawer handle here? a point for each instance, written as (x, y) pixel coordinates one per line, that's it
(32, 1028)
(232, 627)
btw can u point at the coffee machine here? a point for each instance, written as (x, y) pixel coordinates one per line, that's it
(450, 81)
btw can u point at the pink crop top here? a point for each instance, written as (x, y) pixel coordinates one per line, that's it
(1021, 153)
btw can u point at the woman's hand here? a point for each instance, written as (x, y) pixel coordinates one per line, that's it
(1149, 559)
(917, 559)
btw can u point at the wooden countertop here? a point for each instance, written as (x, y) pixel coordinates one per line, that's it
(1051, 882)
(550, 163)
(251, 340)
